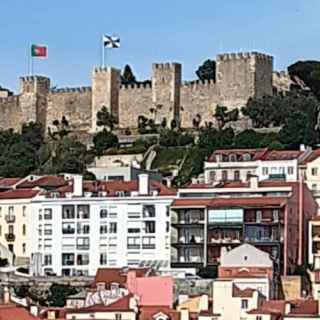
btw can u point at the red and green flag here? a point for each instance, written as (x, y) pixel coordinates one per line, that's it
(39, 51)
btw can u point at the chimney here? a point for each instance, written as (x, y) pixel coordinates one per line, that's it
(77, 186)
(184, 314)
(143, 184)
(302, 147)
(34, 311)
(204, 303)
(6, 295)
(287, 308)
(51, 315)
(253, 182)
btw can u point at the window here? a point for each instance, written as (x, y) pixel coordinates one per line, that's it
(113, 227)
(314, 187)
(168, 211)
(149, 211)
(83, 212)
(68, 212)
(103, 258)
(167, 226)
(83, 243)
(133, 230)
(47, 214)
(83, 228)
(24, 248)
(118, 316)
(224, 175)
(24, 210)
(275, 215)
(258, 215)
(11, 229)
(83, 259)
(258, 318)
(103, 229)
(68, 259)
(248, 175)
(244, 304)
(40, 214)
(237, 175)
(68, 228)
(290, 170)
(10, 210)
(265, 171)
(0, 212)
(0, 230)
(103, 213)
(133, 243)
(246, 157)
(212, 176)
(47, 260)
(232, 158)
(314, 171)
(150, 227)
(148, 243)
(23, 229)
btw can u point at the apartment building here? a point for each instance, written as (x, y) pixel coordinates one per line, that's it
(272, 216)
(78, 227)
(238, 164)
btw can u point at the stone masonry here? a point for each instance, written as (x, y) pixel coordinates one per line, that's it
(239, 76)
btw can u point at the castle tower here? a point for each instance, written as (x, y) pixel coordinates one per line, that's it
(105, 92)
(34, 91)
(243, 75)
(166, 83)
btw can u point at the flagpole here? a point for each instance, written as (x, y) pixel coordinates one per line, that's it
(102, 53)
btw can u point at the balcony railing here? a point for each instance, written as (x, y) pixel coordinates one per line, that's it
(83, 246)
(224, 240)
(262, 239)
(10, 218)
(10, 237)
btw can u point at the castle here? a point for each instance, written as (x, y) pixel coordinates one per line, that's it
(238, 77)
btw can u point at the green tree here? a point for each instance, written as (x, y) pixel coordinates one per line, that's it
(105, 119)
(61, 129)
(104, 140)
(59, 293)
(207, 71)
(127, 76)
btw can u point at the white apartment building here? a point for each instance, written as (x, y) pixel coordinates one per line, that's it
(77, 228)
(239, 164)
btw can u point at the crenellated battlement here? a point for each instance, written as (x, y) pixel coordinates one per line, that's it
(136, 86)
(33, 78)
(68, 90)
(165, 66)
(244, 56)
(198, 84)
(9, 99)
(281, 74)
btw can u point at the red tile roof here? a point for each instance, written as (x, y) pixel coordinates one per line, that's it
(275, 155)
(8, 182)
(117, 275)
(122, 304)
(304, 307)
(44, 182)
(312, 156)
(245, 293)
(19, 194)
(230, 202)
(12, 312)
(270, 307)
(112, 187)
(255, 154)
(148, 312)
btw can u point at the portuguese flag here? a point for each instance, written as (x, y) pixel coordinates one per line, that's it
(39, 51)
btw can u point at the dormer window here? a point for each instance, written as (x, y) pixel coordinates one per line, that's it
(160, 316)
(218, 157)
(120, 193)
(232, 157)
(246, 157)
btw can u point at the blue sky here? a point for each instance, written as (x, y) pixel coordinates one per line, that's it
(151, 31)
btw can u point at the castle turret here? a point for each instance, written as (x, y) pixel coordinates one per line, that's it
(166, 85)
(240, 76)
(105, 92)
(33, 98)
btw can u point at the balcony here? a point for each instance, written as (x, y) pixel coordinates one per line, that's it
(262, 239)
(10, 218)
(10, 237)
(224, 241)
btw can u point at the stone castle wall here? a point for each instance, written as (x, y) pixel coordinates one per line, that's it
(238, 77)
(74, 104)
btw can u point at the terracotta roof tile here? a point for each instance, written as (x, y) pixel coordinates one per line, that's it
(44, 182)
(19, 194)
(148, 312)
(122, 304)
(117, 275)
(231, 202)
(245, 293)
(8, 182)
(12, 312)
(270, 307)
(312, 156)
